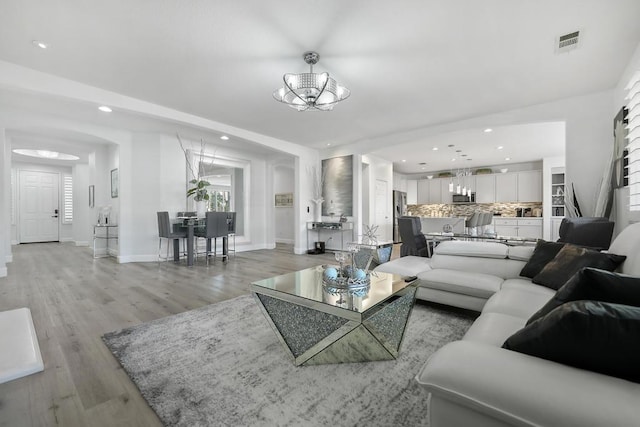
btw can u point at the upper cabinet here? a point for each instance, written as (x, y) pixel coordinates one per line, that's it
(485, 188)
(507, 187)
(412, 191)
(530, 186)
(445, 194)
(423, 192)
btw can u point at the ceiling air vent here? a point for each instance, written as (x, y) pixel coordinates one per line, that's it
(568, 42)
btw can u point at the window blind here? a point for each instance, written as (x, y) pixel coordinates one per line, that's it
(633, 141)
(68, 199)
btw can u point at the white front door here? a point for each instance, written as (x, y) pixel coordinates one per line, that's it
(39, 210)
(383, 219)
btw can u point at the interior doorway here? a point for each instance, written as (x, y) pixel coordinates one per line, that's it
(382, 209)
(39, 208)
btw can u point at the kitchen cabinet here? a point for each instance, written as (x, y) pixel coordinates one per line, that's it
(529, 186)
(557, 192)
(435, 193)
(507, 187)
(412, 191)
(445, 194)
(555, 229)
(485, 188)
(519, 227)
(423, 192)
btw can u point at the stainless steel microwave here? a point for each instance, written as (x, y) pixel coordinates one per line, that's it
(460, 199)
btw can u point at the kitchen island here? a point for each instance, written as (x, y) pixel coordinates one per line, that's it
(436, 224)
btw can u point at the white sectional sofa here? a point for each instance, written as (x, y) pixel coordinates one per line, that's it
(476, 382)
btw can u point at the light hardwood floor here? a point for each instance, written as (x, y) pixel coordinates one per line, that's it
(75, 299)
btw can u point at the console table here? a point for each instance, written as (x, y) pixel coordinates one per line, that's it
(107, 236)
(341, 227)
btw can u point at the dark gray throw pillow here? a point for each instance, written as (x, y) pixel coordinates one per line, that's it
(593, 335)
(571, 259)
(542, 254)
(594, 284)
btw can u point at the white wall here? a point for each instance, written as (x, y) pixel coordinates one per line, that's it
(283, 182)
(5, 203)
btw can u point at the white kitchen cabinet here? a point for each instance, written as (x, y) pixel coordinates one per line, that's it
(507, 187)
(445, 194)
(412, 191)
(555, 228)
(485, 188)
(530, 186)
(519, 227)
(423, 192)
(435, 192)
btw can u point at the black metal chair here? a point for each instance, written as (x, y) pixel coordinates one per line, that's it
(592, 232)
(216, 225)
(413, 241)
(165, 232)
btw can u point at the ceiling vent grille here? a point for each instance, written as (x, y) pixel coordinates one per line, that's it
(568, 42)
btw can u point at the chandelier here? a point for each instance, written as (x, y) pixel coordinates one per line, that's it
(311, 91)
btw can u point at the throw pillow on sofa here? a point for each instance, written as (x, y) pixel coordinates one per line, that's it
(542, 255)
(592, 335)
(594, 284)
(571, 259)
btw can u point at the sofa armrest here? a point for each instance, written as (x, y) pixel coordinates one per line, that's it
(518, 389)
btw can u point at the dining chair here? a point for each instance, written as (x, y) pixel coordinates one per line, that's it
(165, 232)
(471, 224)
(231, 220)
(216, 225)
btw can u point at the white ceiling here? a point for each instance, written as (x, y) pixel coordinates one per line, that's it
(409, 64)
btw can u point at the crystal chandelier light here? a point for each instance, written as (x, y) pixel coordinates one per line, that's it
(311, 91)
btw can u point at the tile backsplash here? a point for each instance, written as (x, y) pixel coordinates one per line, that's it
(452, 210)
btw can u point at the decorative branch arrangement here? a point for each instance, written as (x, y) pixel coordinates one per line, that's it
(199, 190)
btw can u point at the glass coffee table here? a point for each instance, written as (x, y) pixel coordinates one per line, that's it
(320, 324)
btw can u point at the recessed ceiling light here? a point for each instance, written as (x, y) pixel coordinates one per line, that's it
(403, 160)
(463, 155)
(451, 145)
(422, 163)
(487, 130)
(224, 138)
(507, 158)
(453, 160)
(328, 144)
(105, 109)
(38, 43)
(435, 148)
(499, 147)
(45, 154)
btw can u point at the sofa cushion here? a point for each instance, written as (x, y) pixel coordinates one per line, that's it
(503, 268)
(543, 253)
(593, 335)
(517, 302)
(526, 285)
(461, 282)
(405, 266)
(569, 260)
(493, 328)
(521, 253)
(472, 249)
(598, 285)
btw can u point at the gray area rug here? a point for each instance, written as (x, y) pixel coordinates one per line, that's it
(223, 365)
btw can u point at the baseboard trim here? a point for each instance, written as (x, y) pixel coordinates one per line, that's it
(286, 241)
(66, 239)
(3, 271)
(81, 243)
(15, 242)
(8, 258)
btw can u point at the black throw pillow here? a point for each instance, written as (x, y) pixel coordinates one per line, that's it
(571, 259)
(594, 284)
(593, 335)
(542, 254)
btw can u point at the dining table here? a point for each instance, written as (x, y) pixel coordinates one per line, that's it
(191, 223)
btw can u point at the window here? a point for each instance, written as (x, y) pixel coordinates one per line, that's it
(67, 203)
(633, 138)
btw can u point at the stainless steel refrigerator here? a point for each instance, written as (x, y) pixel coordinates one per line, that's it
(399, 209)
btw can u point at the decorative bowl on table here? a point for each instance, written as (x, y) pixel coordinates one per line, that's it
(357, 282)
